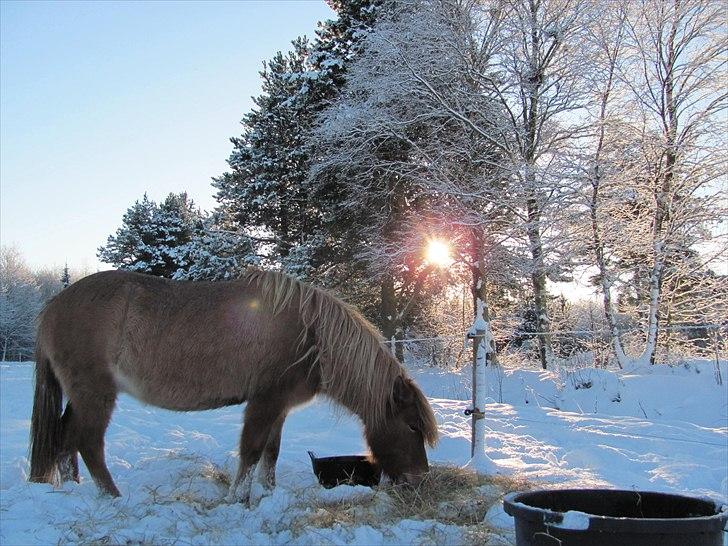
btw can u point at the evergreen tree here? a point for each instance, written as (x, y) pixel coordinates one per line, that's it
(268, 191)
(65, 277)
(340, 40)
(265, 192)
(130, 247)
(217, 253)
(177, 222)
(153, 238)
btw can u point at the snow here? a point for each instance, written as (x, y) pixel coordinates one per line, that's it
(480, 323)
(573, 519)
(656, 428)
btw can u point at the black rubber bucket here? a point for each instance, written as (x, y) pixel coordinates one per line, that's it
(345, 470)
(606, 517)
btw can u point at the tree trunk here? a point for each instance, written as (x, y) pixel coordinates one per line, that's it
(594, 204)
(538, 280)
(531, 121)
(653, 317)
(663, 189)
(598, 248)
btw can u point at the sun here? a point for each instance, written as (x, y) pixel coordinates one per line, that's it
(438, 253)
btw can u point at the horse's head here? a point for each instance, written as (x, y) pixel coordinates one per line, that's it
(398, 444)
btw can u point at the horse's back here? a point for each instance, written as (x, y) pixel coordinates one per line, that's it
(105, 308)
(181, 345)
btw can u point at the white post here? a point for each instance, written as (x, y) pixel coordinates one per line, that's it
(482, 346)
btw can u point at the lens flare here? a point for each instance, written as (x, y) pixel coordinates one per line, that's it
(438, 253)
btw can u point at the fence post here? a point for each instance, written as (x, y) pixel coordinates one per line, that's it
(482, 339)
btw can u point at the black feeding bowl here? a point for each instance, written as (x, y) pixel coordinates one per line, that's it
(605, 517)
(345, 470)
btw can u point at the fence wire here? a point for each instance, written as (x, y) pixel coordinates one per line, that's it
(710, 348)
(677, 344)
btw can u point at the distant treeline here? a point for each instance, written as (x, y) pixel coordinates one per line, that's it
(23, 292)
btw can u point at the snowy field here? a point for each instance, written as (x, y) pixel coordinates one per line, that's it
(661, 429)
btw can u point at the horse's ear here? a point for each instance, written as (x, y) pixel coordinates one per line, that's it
(403, 393)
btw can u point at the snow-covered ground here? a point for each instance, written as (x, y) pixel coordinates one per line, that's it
(661, 428)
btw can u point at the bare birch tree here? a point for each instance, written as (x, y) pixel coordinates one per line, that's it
(541, 87)
(608, 39)
(20, 302)
(658, 159)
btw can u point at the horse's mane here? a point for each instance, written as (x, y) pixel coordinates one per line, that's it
(356, 368)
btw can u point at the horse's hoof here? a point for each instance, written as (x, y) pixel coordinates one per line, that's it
(257, 492)
(235, 497)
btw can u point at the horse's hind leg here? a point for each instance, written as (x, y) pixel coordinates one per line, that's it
(68, 459)
(260, 417)
(87, 426)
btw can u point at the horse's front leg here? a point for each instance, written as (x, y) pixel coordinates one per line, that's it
(260, 418)
(266, 470)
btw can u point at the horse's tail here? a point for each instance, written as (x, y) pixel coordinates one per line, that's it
(45, 425)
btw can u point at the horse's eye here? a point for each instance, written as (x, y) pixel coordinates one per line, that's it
(413, 429)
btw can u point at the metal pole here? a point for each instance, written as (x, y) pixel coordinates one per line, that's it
(477, 340)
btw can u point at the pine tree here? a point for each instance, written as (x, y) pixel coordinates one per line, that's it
(265, 191)
(217, 253)
(153, 238)
(177, 221)
(339, 40)
(130, 247)
(268, 192)
(65, 277)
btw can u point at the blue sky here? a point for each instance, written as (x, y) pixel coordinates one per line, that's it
(101, 102)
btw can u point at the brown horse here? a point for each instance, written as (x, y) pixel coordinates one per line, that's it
(266, 339)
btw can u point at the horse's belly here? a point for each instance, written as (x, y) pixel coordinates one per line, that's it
(173, 397)
(128, 384)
